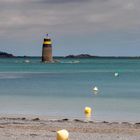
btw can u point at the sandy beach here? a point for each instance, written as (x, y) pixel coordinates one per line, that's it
(36, 128)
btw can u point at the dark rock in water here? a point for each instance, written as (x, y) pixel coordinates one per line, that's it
(33, 135)
(63, 120)
(23, 118)
(105, 122)
(137, 124)
(77, 120)
(6, 55)
(35, 119)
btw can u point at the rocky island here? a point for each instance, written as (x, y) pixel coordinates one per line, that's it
(81, 56)
(6, 55)
(101, 57)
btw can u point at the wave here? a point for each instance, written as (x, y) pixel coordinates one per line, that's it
(10, 76)
(71, 62)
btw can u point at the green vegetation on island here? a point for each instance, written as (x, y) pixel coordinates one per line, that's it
(6, 55)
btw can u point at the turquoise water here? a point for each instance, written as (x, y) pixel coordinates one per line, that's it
(65, 88)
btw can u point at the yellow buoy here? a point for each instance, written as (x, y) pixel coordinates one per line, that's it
(62, 135)
(88, 110)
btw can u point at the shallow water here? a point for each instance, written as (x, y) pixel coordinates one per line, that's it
(64, 89)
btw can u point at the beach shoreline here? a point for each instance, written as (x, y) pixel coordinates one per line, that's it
(41, 128)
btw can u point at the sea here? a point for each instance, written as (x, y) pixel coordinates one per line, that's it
(29, 87)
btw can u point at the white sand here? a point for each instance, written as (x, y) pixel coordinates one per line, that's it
(29, 129)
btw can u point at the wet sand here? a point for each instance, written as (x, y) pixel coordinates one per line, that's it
(32, 128)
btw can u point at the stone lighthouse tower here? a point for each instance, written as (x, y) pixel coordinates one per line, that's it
(47, 50)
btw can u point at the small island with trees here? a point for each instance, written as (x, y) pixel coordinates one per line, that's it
(6, 55)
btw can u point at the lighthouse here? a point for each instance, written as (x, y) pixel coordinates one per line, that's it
(47, 50)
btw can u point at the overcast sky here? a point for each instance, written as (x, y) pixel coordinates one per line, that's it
(97, 27)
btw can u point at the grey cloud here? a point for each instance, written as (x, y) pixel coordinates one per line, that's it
(82, 16)
(70, 1)
(62, 1)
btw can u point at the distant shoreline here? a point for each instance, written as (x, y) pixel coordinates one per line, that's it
(80, 56)
(63, 57)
